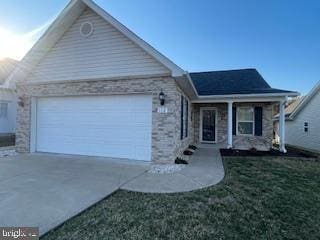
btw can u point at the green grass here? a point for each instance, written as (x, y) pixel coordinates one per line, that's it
(258, 199)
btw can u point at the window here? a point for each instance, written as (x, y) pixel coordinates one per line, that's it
(184, 117)
(187, 117)
(306, 127)
(3, 110)
(245, 121)
(181, 117)
(86, 29)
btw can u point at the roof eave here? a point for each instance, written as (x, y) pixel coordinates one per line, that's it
(288, 94)
(305, 101)
(268, 97)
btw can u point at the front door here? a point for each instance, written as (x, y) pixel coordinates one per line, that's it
(208, 125)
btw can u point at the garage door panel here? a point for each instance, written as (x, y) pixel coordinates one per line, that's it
(110, 126)
(117, 120)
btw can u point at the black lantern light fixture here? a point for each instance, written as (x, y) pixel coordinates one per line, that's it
(21, 101)
(162, 98)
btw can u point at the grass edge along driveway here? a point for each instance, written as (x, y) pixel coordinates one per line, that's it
(258, 199)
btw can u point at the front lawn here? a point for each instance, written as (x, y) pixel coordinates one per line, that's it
(258, 199)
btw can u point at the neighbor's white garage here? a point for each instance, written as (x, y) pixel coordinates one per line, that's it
(116, 126)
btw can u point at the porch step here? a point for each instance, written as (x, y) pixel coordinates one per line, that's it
(212, 145)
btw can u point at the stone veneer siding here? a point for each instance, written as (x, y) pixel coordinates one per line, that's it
(166, 144)
(263, 142)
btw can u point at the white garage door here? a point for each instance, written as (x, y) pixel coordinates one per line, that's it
(108, 126)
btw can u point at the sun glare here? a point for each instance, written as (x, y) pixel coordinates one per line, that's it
(13, 45)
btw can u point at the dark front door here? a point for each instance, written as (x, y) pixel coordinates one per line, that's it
(208, 130)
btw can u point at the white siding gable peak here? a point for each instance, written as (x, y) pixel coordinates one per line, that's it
(62, 24)
(175, 70)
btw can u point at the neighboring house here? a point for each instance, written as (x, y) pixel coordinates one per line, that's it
(303, 121)
(8, 99)
(90, 86)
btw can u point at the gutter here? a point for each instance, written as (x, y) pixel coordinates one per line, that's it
(286, 95)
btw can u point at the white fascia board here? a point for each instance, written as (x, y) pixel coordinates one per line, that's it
(244, 99)
(191, 83)
(46, 41)
(176, 71)
(236, 96)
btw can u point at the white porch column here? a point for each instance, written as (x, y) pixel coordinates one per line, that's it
(282, 123)
(230, 124)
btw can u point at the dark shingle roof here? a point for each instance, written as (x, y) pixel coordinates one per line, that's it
(243, 81)
(7, 65)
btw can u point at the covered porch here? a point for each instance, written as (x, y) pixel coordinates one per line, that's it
(239, 123)
(235, 108)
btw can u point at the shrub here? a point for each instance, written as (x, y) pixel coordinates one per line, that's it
(192, 147)
(187, 152)
(180, 161)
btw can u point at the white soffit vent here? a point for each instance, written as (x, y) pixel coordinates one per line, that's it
(86, 29)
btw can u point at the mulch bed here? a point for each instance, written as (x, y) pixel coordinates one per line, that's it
(292, 152)
(7, 140)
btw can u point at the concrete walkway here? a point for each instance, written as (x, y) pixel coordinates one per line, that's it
(205, 169)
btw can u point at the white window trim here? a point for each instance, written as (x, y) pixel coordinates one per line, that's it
(253, 122)
(89, 33)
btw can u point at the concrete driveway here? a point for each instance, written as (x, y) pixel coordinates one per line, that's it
(45, 190)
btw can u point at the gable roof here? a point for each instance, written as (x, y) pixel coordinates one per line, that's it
(304, 102)
(71, 12)
(230, 82)
(7, 65)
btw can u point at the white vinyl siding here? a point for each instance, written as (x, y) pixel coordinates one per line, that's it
(105, 53)
(295, 130)
(108, 126)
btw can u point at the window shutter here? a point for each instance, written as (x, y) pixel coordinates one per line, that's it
(258, 121)
(234, 121)
(181, 120)
(187, 117)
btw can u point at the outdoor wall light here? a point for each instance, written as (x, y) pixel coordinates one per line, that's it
(162, 98)
(21, 101)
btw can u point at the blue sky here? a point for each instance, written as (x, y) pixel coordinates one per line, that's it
(281, 38)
